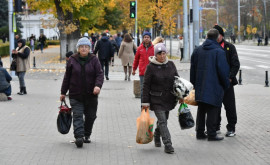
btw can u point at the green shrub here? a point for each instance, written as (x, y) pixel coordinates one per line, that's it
(4, 49)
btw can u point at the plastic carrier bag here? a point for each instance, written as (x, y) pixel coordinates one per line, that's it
(185, 117)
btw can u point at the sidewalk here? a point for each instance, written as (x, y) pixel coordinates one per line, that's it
(29, 133)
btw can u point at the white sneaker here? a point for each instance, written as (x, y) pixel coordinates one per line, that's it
(230, 134)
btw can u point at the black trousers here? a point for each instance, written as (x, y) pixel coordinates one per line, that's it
(105, 62)
(182, 53)
(211, 120)
(88, 107)
(229, 106)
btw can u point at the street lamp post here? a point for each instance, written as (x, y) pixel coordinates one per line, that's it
(11, 33)
(238, 21)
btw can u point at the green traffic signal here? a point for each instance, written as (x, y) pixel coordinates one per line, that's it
(132, 9)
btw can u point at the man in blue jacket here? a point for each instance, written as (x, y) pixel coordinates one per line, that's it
(209, 73)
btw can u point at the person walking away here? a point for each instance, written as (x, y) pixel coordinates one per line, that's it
(94, 39)
(5, 79)
(126, 54)
(32, 42)
(83, 79)
(259, 40)
(158, 40)
(114, 48)
(118, 40)
(266, 40)
(42, 41)
(229, 96)
(22, 56)
(181, 47)
(144, 51)
(209, 74)
(105, 53)
(157, 93)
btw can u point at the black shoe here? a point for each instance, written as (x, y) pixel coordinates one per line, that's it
(216, 138)
(157, 141)
(24, 91)
(87, 139)
(21, 91)
(201, 136)
(107, 78)
(169, 149)
(79, 142)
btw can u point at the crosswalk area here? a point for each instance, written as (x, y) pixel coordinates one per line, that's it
(120, 76)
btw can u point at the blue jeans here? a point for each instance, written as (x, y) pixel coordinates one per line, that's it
(141, 85)
(41, 47)
(21, 78)
(88, 108)
(7, 91)
(162, 128)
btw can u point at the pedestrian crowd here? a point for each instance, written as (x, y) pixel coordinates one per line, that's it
(213, 69)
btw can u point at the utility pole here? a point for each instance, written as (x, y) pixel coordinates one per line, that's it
(190, 28)
(136, 31)
(239, 21)
(196, 28)
(11, 33)
(186, 46)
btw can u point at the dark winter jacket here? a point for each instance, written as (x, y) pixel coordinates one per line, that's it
(104, 49)
(158, 85)
(233, 61)
(80, 80)
(114, 46)
(209, 73)
(118, 40)
(5, 78)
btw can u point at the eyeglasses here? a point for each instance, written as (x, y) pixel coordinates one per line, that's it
(84, 46)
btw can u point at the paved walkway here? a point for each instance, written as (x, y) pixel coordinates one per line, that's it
(29, 134)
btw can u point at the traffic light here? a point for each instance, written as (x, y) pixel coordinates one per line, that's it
(18, 5)
(132, 9)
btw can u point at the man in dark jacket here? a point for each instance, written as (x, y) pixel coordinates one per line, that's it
(105, 53)
(229, 98)
(5, 79)
(114, 47)
(209, 73)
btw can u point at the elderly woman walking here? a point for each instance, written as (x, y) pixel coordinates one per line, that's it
(22, 57)
(157, 93)
(83, 79)
(126, 53)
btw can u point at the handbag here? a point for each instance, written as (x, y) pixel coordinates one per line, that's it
(64, 118)
(13, 65)
(185, 117)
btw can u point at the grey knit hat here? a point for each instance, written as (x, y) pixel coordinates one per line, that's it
(160, 47)
(83, 41)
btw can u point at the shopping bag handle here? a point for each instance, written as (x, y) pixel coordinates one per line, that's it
(64, 101)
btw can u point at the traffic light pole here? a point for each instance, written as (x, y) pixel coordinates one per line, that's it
(11, 33)
(136, 31)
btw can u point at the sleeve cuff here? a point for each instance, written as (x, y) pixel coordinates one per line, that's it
(145, 104)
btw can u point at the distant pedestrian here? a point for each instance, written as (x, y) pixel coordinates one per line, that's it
(118, 40)
(259, 40)
(158, 93)
(144, 51)
(126, 53)
(181, 48)
(266, 40)
(5, 79)
(42, 41)
(105, 53)
(229, 96)
(209, 74)
(114, 48)
(93, 39)
(83, 79)
(22, 56)
(157, 40)
(32, 42)
(17, 37)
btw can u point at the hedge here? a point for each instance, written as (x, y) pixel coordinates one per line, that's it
(4, 48)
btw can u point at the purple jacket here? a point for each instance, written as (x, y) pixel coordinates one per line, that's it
(74, 80)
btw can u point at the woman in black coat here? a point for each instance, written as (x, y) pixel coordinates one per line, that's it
(157, 93)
